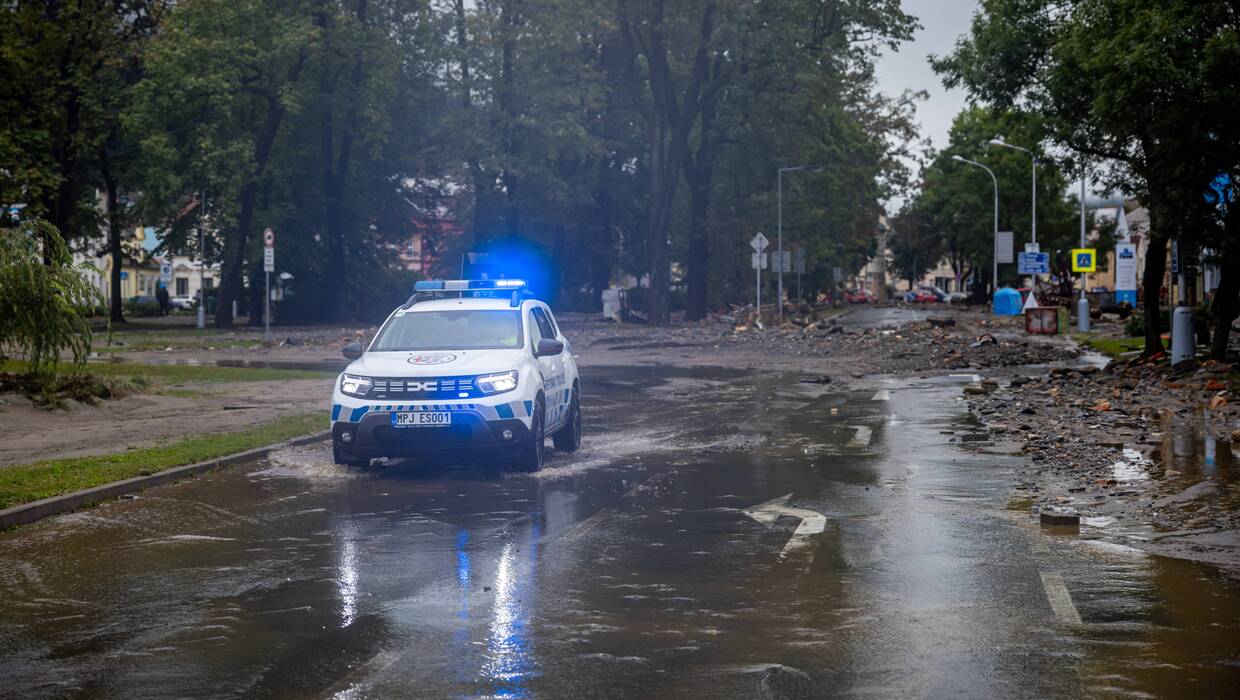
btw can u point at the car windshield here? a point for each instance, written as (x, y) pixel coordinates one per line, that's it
(450, 330)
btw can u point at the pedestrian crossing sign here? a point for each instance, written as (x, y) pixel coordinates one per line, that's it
(1084, 259)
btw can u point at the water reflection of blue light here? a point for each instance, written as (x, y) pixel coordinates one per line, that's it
(511, 662)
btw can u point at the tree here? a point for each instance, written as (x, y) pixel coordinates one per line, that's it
(957, 200)
(221, 79)
(1143, 89)
(45, 301)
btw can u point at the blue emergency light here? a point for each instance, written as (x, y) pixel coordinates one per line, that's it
(466, 285)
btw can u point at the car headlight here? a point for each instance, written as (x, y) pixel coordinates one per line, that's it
(354, 385)
(497, 383)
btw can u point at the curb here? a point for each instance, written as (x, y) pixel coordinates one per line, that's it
(27, 513)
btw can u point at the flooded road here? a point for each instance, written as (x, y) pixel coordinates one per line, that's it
(719, 535)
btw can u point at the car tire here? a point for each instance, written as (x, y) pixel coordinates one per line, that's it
(568, 438)
(530, 458)
(346, 459)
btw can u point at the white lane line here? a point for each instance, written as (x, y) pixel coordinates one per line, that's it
(812, 522)
(881, 395)
(862, 437)
(1060, 599)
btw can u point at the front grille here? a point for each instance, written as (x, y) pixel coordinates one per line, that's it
(423, 388)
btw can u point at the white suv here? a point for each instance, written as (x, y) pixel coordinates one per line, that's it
(464, 367)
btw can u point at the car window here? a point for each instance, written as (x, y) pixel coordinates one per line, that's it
(544, 326)
(555, 330)
(535, 331)
(450, 329)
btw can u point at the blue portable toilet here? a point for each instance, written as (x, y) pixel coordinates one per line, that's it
(1007, 302)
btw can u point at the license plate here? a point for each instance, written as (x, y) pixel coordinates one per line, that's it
(421, 419)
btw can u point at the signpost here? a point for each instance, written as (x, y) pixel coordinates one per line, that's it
(759, 243)
(269, 266)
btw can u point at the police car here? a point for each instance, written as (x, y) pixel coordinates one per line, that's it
(463, 367)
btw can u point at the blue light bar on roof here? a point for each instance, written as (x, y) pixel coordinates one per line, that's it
(466, 285)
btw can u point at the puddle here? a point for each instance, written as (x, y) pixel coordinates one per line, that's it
(1131, 468)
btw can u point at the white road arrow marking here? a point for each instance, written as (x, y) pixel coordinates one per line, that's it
(881, 395)
(812, 523)
(862, 437)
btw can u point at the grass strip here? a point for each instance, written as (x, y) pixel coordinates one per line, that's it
(24, 483)
(1111, 347)
(179, 374)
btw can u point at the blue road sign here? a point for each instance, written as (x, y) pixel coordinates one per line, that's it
(1033, 263)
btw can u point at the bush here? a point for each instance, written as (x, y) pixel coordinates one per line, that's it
(137, 307)
(45, 301)
(1135, 325)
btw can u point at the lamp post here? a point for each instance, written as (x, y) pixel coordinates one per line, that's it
(998, 141)
(779, 246)
(202, 261)
(995, 180)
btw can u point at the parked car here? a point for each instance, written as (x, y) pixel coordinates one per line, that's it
(859, 296)
(185, 302)
(923, 295)
(957, 297)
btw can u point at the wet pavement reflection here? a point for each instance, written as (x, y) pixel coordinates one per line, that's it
(633, 568)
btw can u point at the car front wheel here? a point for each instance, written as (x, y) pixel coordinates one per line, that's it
(530, 458)
(568, 438)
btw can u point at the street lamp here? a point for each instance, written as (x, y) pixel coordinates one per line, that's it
(995, 180)
(780, 236)
(998, 141)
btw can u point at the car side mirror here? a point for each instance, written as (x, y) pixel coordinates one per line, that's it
(547, 347)
(352, 351)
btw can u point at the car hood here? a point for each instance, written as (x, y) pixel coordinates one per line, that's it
(435, 363)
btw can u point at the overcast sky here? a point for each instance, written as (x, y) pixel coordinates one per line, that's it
(942, 22)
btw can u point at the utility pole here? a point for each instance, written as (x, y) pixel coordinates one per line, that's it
(779, 246)
(1082, 304)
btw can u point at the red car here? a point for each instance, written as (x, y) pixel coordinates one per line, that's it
(859, 296)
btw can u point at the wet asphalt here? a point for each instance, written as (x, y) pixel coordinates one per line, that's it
(645, 565)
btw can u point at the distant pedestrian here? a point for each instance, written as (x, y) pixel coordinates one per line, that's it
(161, 295)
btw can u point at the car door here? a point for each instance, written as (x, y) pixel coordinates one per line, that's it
(552, 367)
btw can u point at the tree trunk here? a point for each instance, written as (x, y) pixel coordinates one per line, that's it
(116, 308)
(1151, 286)
(1225, 306)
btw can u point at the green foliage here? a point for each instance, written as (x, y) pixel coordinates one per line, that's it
(137, 307)
(23, 483)
(45, 303)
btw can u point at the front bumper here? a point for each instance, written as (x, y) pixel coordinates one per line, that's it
(374, 436)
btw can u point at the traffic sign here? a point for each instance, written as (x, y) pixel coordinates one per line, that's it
(798, 261)
(1033, 263)
(758, 261)
(1084, 259)
(165, 271)
(269, 259)
(782, 262)
(269, 238)
(1032, 248)
(759, 242)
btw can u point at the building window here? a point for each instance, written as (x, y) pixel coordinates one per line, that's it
(208, 282)
(182, 286)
